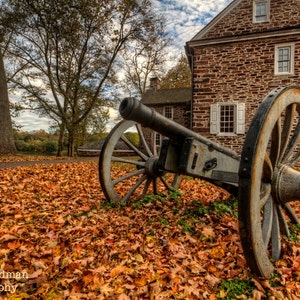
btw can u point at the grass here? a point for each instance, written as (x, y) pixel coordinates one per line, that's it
(188, 215)
(294, 233)
(229, 207)
(236, 289)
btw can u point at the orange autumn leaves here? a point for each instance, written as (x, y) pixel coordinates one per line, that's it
(57, 227)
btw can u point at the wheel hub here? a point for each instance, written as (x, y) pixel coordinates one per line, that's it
(286, 184)
(151, 167)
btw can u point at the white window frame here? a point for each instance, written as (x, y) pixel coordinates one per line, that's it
(278, 48)
(171, 111)
(239, 118)
(156, 142)
(257, 3)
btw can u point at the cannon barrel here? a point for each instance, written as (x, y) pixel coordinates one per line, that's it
(132, 109)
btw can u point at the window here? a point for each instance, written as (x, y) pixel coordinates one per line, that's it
(227, 113)
(227, 119)
(261, 11)
(157, 139)
(156, 142)
(168, 112)
(284, 59)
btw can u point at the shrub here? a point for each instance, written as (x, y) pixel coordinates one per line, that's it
(51, 147)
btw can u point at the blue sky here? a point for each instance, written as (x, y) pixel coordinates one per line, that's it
(184, 19)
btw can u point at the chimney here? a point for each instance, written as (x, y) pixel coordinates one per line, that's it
(154, 83)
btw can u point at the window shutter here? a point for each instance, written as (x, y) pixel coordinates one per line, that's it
(214, 119)
(240, 118)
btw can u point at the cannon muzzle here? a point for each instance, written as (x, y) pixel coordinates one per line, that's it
(132, 109)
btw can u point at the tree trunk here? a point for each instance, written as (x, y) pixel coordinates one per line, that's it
(71, 144)
(60, 139)
(7, 144)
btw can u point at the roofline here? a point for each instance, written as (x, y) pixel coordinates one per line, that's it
(216, 19)
(168, 103)
(167, 89)
(242, 38)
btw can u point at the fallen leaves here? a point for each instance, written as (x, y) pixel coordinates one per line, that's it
(57, 228)
(22, 158)
(217, 252)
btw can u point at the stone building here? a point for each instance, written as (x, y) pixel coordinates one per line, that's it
(173, 103)
(250, 48)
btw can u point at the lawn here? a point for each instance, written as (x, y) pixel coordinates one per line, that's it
(60, 239)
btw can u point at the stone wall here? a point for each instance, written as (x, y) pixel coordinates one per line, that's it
(181, 115)
(283, 14)
(241, 72)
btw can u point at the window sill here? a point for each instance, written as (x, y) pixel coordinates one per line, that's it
(284, 74)
(226, 134)
(264, 21)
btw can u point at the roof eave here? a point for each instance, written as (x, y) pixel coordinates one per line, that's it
(241, 38)
(215, 20)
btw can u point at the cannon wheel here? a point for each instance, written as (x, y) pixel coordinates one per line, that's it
(135, 172)
(269, 185)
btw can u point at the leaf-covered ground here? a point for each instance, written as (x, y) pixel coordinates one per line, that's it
(60, 239)
(24, 157)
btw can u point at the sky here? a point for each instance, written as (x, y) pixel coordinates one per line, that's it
(184, 19)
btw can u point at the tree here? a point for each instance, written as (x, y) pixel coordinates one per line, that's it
(66, 50)
(179, 76)
(7, 144)
(145, 58)
(95, 124)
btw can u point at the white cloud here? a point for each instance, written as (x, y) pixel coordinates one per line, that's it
(30, 121)
(185, 18)
(114, 116)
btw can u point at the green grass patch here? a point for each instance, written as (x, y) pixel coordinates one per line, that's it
(235, 289)
(229, 207)
(294, 233)
(186, 226)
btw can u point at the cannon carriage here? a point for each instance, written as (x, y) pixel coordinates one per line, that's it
(265, 177)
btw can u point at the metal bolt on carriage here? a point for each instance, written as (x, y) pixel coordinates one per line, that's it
(265, 177)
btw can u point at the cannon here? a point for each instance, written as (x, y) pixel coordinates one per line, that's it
(265, 177)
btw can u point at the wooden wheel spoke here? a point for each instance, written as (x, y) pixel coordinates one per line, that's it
(275, 238)
(128, 161)
(284, 228)
(131, 191)
(127, 176)
(154, 182)
(267, 222)
(134, 148)
(143, 141)
(275, 143)
(167, 186)
(265, 195)
(291, 214)
(147, 185)
(288, 156)
(287, 129)
(267, 168)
